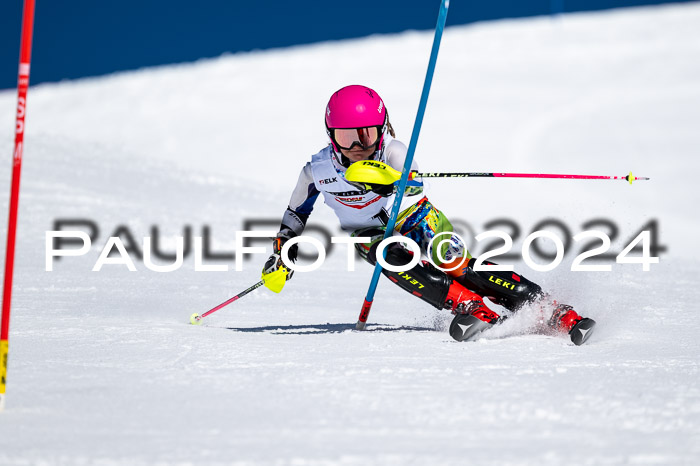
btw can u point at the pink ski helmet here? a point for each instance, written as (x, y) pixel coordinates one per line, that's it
(357, 108)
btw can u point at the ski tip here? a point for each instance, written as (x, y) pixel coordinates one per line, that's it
(582, 331)
(466, 327)
(195, 319)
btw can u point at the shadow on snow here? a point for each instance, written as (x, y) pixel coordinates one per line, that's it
(314, 329)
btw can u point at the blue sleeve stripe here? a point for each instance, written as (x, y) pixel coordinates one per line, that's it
(308, 205)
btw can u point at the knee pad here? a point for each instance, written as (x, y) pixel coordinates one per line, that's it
(423, 280)
(507, 289)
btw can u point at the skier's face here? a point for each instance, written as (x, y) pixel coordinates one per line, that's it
(356, 153)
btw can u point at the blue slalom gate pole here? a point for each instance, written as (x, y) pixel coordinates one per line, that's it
(442, 17)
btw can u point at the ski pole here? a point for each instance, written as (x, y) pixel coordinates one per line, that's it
(22, 88)
(196, 319)
(442, 17)
(630, 178)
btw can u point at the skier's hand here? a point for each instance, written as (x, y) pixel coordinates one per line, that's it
(384, 190)
(275, 273)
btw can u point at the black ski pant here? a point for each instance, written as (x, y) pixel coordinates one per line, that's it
(507, 289)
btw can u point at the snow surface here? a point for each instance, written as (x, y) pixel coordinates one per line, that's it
(105, 369)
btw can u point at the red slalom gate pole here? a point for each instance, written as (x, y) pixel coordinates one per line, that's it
(22, 86)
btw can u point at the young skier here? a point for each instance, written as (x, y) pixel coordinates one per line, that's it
(358, 126)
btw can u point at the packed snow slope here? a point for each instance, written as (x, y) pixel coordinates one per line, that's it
(105, 369)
